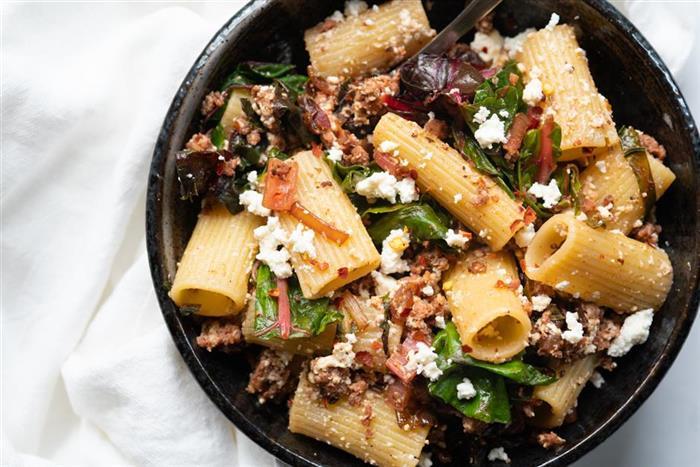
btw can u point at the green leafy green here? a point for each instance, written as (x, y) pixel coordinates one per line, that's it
(423, 221)
(636, 156)
(482, 162)
(309, 317)
(249, 73)
(490, 404)
(347, 176)
(569, 183)
(449, 349)
(249, 155)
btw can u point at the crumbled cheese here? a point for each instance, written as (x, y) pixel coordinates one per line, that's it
(498, 454)
(350, 338)
(384, 285)
(601, 166)
(532, 94)
(393, 247)
(384, 185)
(252, 201)
(637, 223)
(252, 178)
(422, 361)
(540, 302)
(440, 322)
(457, 197)
(388, 146)
(428, 290)
(617, 232)
(581, 216)
(574, 333)
(604, 211)
(481, 115)
(562, 285)
(513, 45)
(553, 21)
(335, 154)
(635, 330)
(596, 380)
(568, 67)
(355, 7)
(524, 236)
(302, 241)
(549, 194)
(465, 389)
(456, 239)
(488, 46)
(337, 16)
(342, 357)
(490, 132)
(425, 460)
(273, 252)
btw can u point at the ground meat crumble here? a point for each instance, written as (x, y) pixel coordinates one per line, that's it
(212, 102)
(219, 334)
(652, 146)
(271, 375)
(549, 440)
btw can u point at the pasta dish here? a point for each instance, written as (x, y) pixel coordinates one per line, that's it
(407, 246)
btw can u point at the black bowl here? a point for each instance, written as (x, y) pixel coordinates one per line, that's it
(626, 69)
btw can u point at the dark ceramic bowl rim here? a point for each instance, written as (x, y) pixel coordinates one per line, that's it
(572, 453)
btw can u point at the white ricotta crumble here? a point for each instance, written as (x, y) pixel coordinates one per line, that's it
(388, 146)
(604, 211)
(252, 178)
(532, 94)
(635, 330)
(540, 302)
(488, 46)
(422, 361)
(384, 285)
(273, 252)
(465, 389)
(350, 338)
(302, 241)
(524, 236)
(252, 201)
(574, 332)
(514, 44)
(342, 357)
(355, 7)
(456, 239)
(335, 154)
(498, 454)
(490, 132)
(597, 380)
(428, 290)
(385, 186)
(549, 194)
(393, 247)
(481, 115)
(553, 21)
(440, 322)
(425, 460)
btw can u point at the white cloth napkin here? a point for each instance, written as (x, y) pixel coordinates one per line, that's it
(89, 373)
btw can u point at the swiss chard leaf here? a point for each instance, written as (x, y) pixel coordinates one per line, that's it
(490, 404)
(569, 183)
(309, 317)
(427, 77)
(347, 176)
(448, 347)
(248, 73)
(423, 221)
(227, 191)
(483, 163)
(636, 156)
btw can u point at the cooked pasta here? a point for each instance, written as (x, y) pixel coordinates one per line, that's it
(553, 56)
(370, 41)
(602, 267)
(470, 196)
(233, 109)
(213, 273)
(368, 430)
(485, 306)
(319, 193)
(560, 397)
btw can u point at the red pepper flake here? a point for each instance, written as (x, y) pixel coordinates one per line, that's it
(530, 216)
(466, 348)
(343, 272)
(376, 345)
(316, 150)
(274, 293)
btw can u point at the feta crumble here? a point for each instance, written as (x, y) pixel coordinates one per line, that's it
(355, 7)
(335, 154)
(481, 115)
(498, 454)
(490, 132)
(549, 194)
(302, 241)
(252, 201)
(273, 252)
(456, 239)
(428, 290)
(540, 302)
(425, 460)
(524, 236)
(601, 166)
(635, 330)
(562, 285)
(252, 178)
(342, 357)
(465, 389)
(385, 186)
(488, 46)
(440, 322)
(393, 247)
(422, 361)
(553, 21)
(350, 338)
(574, 333)
(604, 211)
(457, 197)
(597, 380)
(384, 285)
(514, 44)
(532, 94)
(388, 146)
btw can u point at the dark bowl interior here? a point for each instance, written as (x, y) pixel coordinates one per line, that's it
(626, 70)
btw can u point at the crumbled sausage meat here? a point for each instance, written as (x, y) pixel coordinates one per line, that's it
(363, 100)
(271, 374)
(199, 142)
(217, 333)
(358, 156)
(652, 146)
(549, 440)
(647, 233)
(212, 102)
(332, 383)
(263, 102)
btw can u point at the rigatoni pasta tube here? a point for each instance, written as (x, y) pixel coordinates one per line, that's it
(234, 109)
(372, 41)
(612, 179)
(321, 343)
(606, 268)
(320, 194)
(485, 307)
(560, 396)
(368, 430)
(471, 197)
(214, 270)
(553, 56)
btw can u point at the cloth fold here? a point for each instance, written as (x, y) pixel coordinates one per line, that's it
(90, 375)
